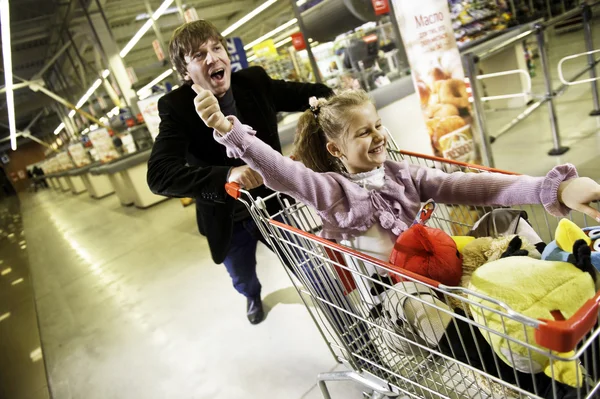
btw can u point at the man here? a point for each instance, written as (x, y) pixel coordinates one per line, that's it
(187, 162)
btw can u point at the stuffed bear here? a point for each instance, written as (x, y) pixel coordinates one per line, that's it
(537, 289)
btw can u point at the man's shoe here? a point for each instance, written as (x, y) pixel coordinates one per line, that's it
(255, 311)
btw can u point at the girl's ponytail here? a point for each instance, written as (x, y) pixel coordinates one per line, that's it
(326, 120)
(310, 145)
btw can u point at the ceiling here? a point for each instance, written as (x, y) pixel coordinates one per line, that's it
(40, 28)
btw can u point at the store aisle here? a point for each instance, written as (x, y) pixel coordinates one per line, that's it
(131, 306)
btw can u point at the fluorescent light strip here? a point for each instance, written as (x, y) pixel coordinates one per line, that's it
(8, 75)
(270, 34)
(248, 17)
(159, 78)
(284, 41)
(84, 99)
(59, 128)
(88, 93)
(160, 10)
(136, 38)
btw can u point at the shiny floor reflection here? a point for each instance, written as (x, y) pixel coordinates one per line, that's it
(131, 306)
(22, 369)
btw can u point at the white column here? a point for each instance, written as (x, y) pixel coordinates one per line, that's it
(117, 66)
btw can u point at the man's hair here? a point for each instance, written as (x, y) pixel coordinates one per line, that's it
(188, 38)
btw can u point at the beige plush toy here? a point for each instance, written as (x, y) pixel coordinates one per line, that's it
(487, 249)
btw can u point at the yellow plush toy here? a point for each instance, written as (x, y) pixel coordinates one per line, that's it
(537, 289)
(479, 251)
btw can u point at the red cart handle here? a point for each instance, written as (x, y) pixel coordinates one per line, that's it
(233, 189)
(563, 336)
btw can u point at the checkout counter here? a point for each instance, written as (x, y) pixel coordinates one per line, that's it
(127, 176)
(96, 188)
(58, 181)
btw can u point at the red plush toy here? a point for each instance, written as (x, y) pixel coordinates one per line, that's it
(428, 252)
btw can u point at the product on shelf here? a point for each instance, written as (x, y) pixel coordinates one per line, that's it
(472, 20)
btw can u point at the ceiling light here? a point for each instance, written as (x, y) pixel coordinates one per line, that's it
(160, 10)
(248, 17)
(284, 41)
(105, 73)
(144, 90)
(270, 34)
(136, 38)
(251, 58)
(59, 128)
(88, 93)
(72, 113)
(8, 76)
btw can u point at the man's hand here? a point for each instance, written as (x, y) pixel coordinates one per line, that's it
(209, 111)
(578, 193)
(246, 177)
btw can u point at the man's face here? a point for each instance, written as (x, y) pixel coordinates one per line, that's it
(210, 67)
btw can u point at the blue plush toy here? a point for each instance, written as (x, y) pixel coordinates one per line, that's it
(567, 233)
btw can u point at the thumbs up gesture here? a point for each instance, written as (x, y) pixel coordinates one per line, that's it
(209, 111)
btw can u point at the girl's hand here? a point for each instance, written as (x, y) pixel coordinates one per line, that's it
(209, 111)
(578, 193)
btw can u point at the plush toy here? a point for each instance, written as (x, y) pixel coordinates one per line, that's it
(566, 234)
(506, 222)
(537, 289)
(487, 249)
(428, 252)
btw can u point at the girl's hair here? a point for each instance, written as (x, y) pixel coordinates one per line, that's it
(326, 121)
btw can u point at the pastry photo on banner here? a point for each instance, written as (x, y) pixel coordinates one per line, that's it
(438, 76)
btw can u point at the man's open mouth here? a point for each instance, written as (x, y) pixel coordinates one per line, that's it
(218, 74)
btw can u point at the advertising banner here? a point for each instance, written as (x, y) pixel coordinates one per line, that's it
(237, 54)
(103, 144)
(438, 76)
(79, 155)
(265, 49)
(65, 161)
(149, 110)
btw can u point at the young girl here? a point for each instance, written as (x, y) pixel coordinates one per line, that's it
(362, 197)
(365, 200)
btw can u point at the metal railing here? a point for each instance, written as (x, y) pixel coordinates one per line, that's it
(538, 30)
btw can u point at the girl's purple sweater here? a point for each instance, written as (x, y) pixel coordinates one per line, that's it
(348, 210)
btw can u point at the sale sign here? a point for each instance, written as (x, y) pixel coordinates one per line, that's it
(103, 144)
(438, 76)
(381, 7)
(298, 41)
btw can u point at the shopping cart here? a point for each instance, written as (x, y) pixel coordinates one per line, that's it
(390, 361)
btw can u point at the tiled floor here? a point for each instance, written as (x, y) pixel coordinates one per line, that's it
(131, 306)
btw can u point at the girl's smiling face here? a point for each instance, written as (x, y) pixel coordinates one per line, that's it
(363, 146)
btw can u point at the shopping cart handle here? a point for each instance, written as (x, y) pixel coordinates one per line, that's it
(234, 190)
(563, 336)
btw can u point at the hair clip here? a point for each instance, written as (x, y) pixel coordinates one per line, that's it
(314, 106)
